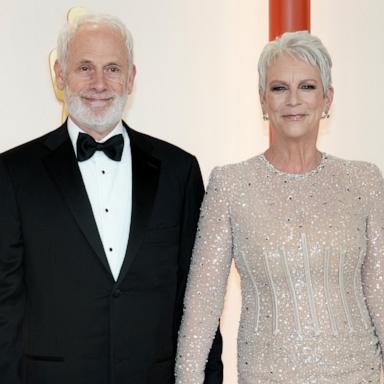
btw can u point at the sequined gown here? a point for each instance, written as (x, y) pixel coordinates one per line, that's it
(309, 249)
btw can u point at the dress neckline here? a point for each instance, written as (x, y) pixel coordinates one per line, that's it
(299, 176)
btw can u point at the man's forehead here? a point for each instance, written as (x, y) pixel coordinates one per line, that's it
(96, 32)
(97, 41)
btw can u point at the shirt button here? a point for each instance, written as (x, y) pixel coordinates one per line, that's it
(110, 249)
(106, 210)
(103, 172)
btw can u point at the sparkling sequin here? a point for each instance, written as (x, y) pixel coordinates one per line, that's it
(309, 249)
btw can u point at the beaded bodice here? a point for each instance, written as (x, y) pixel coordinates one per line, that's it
(309, 249)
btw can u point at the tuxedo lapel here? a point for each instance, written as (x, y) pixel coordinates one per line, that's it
(145, 178)
(62, 166)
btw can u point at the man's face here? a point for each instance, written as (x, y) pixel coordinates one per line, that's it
(96, 79)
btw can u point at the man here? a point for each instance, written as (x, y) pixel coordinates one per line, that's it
(97, 226)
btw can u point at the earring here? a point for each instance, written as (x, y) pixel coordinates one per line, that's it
(325, 115)
(265, 117)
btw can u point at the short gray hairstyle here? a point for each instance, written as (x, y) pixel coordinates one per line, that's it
(301, 45)
(70, 29)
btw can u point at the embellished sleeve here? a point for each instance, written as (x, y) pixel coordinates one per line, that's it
(373, 268)
(204, 298)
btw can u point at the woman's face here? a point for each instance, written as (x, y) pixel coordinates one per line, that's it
(294, 99)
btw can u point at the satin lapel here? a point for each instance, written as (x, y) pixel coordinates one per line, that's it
(145, 178)
(62, 166)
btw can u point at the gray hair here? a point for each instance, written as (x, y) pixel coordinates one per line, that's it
(301, 45)
(70, 29)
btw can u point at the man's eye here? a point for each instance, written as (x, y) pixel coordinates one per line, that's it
(113, 69)
(84, 68)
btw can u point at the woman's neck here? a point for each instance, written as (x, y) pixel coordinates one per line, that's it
(295, 158)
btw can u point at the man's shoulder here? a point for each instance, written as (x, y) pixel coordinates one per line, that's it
(32, 148)
(159, 148)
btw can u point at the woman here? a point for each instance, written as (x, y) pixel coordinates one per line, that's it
(306, 231)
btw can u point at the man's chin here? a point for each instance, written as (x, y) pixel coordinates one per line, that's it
(98, 113)
(95, 123)
(98, 118)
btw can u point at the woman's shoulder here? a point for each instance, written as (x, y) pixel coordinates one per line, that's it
(357, 170)
(240, 169)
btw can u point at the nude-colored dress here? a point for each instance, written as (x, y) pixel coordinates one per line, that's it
(309, 249)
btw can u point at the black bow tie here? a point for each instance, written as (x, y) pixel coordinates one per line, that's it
(87, 146)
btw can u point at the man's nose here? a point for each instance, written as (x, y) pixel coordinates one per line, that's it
(99, 82)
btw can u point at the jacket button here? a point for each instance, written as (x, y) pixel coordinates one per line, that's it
(116, 292)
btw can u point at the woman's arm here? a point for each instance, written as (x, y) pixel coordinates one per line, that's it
(373, 267)
(204, 298)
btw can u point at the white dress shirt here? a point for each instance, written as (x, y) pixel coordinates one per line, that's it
(109, 187)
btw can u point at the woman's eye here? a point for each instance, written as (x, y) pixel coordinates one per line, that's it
(278, 88)
(307, 86)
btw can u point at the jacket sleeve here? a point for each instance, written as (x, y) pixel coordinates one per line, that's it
(11, 282)
(204, 298)
(373, 266)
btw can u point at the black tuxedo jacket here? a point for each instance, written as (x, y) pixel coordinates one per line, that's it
(63, 318)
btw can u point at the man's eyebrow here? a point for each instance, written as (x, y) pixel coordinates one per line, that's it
(84, 61)
(113, 63)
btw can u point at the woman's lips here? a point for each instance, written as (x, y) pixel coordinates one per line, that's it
(294, 117)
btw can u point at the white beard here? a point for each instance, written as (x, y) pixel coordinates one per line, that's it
(85, 116)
